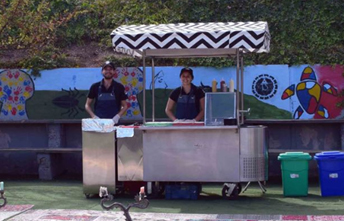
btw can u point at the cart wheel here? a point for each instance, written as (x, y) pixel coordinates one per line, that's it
(235, 192)
(87, 195)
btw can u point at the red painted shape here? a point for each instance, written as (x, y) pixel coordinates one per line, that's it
(16, 75)
(329, 101)
(313, 104)
(284, 95)
(332, 76)
(305, 76)
(28, 88)
(14, 111)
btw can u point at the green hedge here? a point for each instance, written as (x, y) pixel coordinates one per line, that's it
(303, 32)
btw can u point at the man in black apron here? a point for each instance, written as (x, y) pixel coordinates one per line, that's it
(188, 98)
(109, 96)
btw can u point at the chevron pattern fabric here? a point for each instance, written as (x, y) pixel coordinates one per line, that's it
(251, 36)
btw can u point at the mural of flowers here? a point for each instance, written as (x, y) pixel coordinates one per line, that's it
(132, 80)
(16, 87)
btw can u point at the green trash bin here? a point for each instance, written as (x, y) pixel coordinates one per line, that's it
(294, 166)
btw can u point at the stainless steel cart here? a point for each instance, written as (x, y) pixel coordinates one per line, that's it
(199, 154)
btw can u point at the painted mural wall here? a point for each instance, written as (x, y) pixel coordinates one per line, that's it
(271, 91)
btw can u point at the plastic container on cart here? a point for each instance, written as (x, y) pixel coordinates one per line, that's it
(218, 107)
(331, 172)
(294, 166)
(181, 191)
(159, 124)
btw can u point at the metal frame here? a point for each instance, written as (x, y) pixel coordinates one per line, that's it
(191, 53)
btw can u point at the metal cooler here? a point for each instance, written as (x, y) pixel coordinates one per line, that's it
(253, 153)
(98, 155)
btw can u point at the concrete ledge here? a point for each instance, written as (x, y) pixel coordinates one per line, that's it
(293, 121)
(42, 150)
(297, 150)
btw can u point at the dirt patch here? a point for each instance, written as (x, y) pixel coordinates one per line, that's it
(86, 55)
(89, 55)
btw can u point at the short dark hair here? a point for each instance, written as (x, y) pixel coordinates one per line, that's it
(187, 70)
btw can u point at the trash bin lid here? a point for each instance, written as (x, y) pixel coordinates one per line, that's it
(329, 155)
(294, 156)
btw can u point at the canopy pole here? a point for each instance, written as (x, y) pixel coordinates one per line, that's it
(144, 85)
(237, 94)
(242, 85)
(153, 90)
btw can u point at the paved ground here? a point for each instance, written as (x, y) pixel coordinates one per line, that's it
(64, 200)
(91, 215)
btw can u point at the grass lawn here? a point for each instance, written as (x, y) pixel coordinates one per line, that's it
(69, 195)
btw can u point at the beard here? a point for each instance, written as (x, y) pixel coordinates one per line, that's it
(108, 77)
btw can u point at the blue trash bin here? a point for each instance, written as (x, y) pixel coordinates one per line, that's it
(331, 172)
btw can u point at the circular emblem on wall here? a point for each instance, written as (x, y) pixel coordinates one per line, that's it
(264, 86)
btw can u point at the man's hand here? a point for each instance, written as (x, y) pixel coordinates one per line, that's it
(95, 117)
(115, 119)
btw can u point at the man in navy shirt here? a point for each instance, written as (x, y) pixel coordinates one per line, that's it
(108, 95)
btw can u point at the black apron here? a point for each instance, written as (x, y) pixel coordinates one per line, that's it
(186, 106)
(106, 103)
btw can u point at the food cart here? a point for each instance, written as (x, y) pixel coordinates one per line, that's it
(228, 154)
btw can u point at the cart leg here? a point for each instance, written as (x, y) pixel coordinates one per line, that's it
(246, 187)
(149, 188)
(262, 187)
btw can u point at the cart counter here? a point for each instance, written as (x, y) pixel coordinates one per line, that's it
(191, 154)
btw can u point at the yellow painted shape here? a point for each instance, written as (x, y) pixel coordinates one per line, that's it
(321, 113)
(26, 94)
(134, 82)
(315, 92)
(301, 86)
(308, 70)
(289, 92)
(124, 80)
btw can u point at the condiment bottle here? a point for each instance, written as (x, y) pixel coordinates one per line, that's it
(231, 85)
(223, 85)
(213, 85)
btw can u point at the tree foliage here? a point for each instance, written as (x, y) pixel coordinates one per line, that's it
(303, 32)
(32, 26)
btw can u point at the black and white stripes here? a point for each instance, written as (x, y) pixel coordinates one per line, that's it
(251, 36)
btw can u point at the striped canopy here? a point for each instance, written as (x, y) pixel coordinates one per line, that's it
(134, 39)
